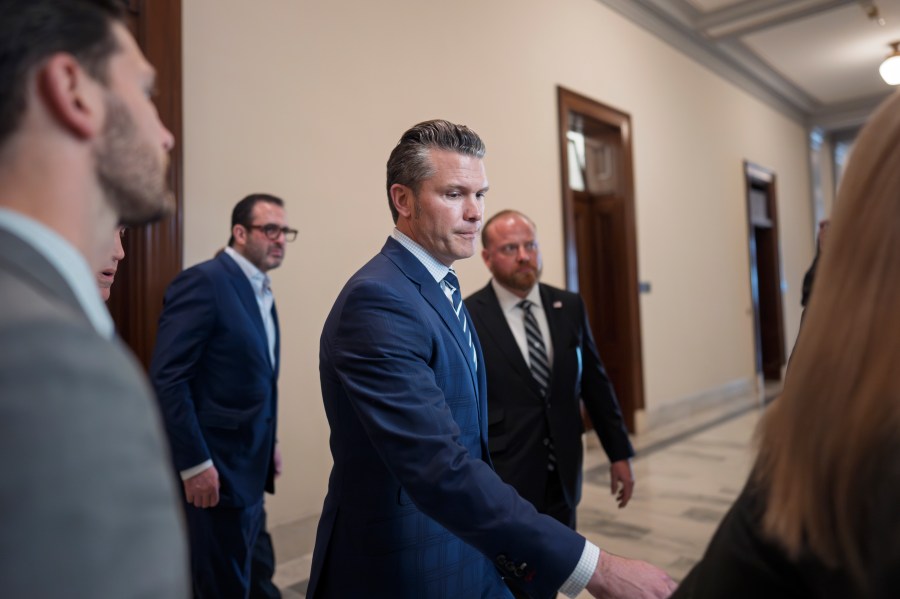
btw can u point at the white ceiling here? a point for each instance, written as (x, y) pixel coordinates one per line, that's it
(814, 59)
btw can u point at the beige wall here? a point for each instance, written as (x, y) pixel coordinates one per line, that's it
(305, 99)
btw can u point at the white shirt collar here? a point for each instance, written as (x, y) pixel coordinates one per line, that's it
(509, 300)
(437, 268)
(258, 279)
(67, 261)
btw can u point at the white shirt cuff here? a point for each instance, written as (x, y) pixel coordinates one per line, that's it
(584, 569)
(186, 474)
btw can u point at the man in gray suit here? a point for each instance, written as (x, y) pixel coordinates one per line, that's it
(89, 507)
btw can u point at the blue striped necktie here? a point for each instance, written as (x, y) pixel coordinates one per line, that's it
(452, 282)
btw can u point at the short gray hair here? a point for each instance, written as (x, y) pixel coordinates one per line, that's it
(409, 163)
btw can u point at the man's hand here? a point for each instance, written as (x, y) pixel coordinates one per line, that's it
(202, 490)
(621, 578)
(276, 461)
(621, 481)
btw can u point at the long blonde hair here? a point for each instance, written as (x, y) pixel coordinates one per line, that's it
(823, 442)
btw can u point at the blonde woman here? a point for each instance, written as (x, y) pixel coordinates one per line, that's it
(820, 515)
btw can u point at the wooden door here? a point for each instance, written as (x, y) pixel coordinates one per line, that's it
(765, 272)
(153, 253)
(601, 240)
(599, 225)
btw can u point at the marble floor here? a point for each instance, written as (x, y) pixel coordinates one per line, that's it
(687, 473)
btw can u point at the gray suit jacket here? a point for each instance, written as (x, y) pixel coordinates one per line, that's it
(88, 504)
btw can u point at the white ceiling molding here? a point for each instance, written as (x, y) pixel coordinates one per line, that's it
(712, 38)
(749, 17)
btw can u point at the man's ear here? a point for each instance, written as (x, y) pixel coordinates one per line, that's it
(402, 197)
(240, 235)
(72, 96)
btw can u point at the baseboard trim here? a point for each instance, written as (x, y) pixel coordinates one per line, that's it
(737, 394)
(294, 539)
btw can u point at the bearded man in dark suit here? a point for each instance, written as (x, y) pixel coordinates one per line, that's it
(537, 377)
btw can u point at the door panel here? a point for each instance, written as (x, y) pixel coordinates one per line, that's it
(765, 271)
(153, 252)
(601, 236)
(599, 223)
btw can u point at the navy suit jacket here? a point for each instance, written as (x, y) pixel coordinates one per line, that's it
(215, 381)
(414, 508)
(519, 419)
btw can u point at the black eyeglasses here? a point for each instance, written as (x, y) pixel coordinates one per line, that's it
(273, 231)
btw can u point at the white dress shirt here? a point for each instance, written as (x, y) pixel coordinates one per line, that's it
(262, 291)
(515, 318)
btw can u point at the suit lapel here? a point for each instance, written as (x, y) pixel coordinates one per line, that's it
(244, 291)
(560, 331)
(277, 363)
(481, 391)
(433, 294)
(18, 256)
(496, 326)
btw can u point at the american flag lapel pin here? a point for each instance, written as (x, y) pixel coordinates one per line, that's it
(557, 304)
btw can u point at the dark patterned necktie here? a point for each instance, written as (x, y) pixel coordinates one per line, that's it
(537, 351)
(539, 365)
(456, 300)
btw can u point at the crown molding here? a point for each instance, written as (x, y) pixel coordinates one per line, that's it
(676, 23)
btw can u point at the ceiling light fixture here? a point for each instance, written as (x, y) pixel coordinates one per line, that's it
(890, 68)
(871, 11)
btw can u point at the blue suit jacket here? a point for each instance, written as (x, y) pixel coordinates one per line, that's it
(215, 381)
(414, 508)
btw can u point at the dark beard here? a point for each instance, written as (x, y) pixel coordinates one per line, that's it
(520, 281)
(131, 176)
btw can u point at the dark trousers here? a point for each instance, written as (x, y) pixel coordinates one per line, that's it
(262, 566)
(222, 542)
(555, 503)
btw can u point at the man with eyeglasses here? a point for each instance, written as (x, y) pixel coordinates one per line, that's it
(540, 359)
(215, 371)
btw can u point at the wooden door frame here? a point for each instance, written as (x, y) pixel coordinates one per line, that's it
(153, 253)
(761, 176)
(568, 102)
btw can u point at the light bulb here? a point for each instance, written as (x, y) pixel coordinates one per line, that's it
(890, 68)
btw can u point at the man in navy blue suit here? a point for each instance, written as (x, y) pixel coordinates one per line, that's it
(414, 507)
(215, 370)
